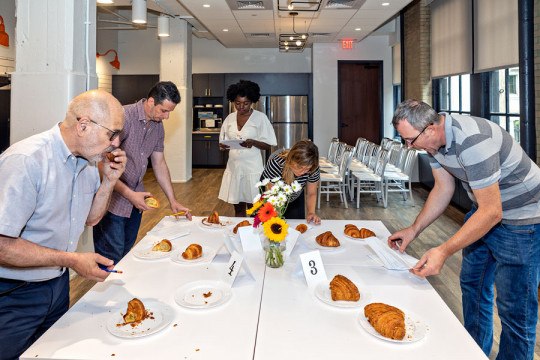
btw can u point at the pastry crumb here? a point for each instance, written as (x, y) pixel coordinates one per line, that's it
(208, 294)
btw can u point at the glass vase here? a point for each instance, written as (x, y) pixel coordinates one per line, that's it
(273, 253)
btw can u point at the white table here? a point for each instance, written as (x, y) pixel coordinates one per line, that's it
(272, 316)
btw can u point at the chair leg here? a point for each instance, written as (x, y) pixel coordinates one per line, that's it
(410, 193)
(358, 194)
(344, 195)
(319, 196)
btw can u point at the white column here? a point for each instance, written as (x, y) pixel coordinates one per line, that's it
(175, 66)
(51, 61)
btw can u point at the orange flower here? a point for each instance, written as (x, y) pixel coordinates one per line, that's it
(267, 212)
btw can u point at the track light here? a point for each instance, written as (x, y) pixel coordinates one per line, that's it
(138, 11)
(163, 26)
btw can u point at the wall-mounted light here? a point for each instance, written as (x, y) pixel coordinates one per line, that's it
(4, 37)
(138, 11)
(115, 63)
(163, 26)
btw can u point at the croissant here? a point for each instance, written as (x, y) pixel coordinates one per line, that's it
(135, 311)
(342, 288)
(365, 233)
(214, 218)
(327, 239)
(193, 251)
(164, 246)
(387, 320)
(241, 224)
(352, 231)
(302, 228)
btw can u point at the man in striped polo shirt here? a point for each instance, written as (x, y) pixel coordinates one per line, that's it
(500, 238)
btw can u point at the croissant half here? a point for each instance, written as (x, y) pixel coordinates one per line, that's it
(365, 233)
(193, 251)
(241, 224)
(135, 311)
(352, 231)
(341, 288)
(327, 239)
(214, 218)
(387, 320)
(302, 228)
(164, 246)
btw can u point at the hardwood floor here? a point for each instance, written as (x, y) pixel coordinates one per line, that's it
(200, 195)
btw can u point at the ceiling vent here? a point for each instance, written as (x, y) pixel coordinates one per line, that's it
(250, 4)
(259, 35)
(321, 34)
(343, 4)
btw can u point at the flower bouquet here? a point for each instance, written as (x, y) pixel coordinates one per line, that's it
(268, 209)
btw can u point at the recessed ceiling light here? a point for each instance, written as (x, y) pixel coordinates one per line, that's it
(358, 29)
(385, 4)
(225, 30)
(206, 5)
(105, 1)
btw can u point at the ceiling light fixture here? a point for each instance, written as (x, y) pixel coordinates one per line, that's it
(225, 30)
(295, 42)
(115, 63)
(299, 5)
(385, 4)
(163, 26)
(358, 29)
(138, 11)
(105, 1)
(206, 5)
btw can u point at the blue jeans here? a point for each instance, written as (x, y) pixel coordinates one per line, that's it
(27, 310)
(508, 256)
(115, 235)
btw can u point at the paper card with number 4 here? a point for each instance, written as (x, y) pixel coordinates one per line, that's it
(313, 269)
(236, 263)
(250, 239)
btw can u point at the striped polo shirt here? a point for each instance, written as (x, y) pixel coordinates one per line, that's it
(274, 169)
(480, 153)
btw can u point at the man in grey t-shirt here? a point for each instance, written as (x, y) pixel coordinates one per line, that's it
(500, 238)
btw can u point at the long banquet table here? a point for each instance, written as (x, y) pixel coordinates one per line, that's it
(271, 314)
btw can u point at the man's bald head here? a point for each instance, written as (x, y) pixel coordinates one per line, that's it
(99, 106)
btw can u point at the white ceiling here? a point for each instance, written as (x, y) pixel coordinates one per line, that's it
(260, 28)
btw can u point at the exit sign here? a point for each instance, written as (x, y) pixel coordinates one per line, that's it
(347, 44)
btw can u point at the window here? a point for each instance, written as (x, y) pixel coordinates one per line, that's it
(504, 99)
(397, 101)
(453, 94)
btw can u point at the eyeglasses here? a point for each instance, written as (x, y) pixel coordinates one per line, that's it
(114, 133)
(411, 142)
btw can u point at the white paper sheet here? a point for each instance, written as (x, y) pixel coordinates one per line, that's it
(233, 144)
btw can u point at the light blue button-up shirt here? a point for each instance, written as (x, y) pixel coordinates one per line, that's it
(45, 197)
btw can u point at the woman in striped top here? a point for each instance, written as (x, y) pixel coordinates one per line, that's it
(300, 163)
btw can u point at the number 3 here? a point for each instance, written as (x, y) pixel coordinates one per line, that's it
(313, 268)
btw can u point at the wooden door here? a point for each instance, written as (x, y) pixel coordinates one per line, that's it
(360, 102)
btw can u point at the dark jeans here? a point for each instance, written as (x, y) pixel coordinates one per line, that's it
(297, 208)
(115, 235)
(508, 256)
(27, 310)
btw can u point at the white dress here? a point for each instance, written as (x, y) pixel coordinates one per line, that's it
(245, 166)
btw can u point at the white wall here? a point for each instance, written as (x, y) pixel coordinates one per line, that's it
(138, 52)
(325, 84)
(209, 56)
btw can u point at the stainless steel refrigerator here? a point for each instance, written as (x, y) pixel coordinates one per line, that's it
(288, 115)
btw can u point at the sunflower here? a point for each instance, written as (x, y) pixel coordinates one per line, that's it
(254, 208)
(267, 212)
(276, 229)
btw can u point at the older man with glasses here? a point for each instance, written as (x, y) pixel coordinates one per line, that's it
(500, 239)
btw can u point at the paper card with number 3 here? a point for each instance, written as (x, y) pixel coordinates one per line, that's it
(236, 263)
(313, 269)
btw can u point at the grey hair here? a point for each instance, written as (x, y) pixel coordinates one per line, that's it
(417, 113)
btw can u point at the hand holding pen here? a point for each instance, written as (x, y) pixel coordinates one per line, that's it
(105, 268)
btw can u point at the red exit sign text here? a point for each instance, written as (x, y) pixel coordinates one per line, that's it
(347, 44)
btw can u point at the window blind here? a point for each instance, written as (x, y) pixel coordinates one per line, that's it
(396, 64)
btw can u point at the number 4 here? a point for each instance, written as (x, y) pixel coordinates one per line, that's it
(232, 268)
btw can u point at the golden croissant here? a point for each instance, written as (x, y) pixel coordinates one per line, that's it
(302, 228)
(193, 251)
(241, 224)
(365, 233)
(135, 311)
(342, 288)
(214, 218)
(327, 239)
(389, 321)
(164, 246)
(352, 231)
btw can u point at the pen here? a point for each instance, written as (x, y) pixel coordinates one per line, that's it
(104, 268)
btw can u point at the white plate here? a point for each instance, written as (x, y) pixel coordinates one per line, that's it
(313, 244)
(162, 316)
(415, 329)
(209, 226)
(145, 252)
(322, 292)
(207, 256)
(191, 295)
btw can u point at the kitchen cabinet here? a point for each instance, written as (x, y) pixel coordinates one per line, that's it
(205, 151)
(208, 85)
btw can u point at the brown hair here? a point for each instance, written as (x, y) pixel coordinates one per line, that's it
(303, 153)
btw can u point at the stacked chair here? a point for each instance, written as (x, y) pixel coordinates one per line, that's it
(398, 177)
(333, 179)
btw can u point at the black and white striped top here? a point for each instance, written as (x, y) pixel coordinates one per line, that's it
(481, 153)
(274, 169)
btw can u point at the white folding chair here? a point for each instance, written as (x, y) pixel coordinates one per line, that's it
(373, 182)
(400, 181)
(335, 183)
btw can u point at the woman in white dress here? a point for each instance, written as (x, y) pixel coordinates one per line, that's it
(245, 165)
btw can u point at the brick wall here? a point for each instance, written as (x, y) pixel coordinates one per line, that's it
(417, 75)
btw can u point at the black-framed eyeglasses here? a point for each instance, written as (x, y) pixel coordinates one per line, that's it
(411, 142)
(114, 133)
